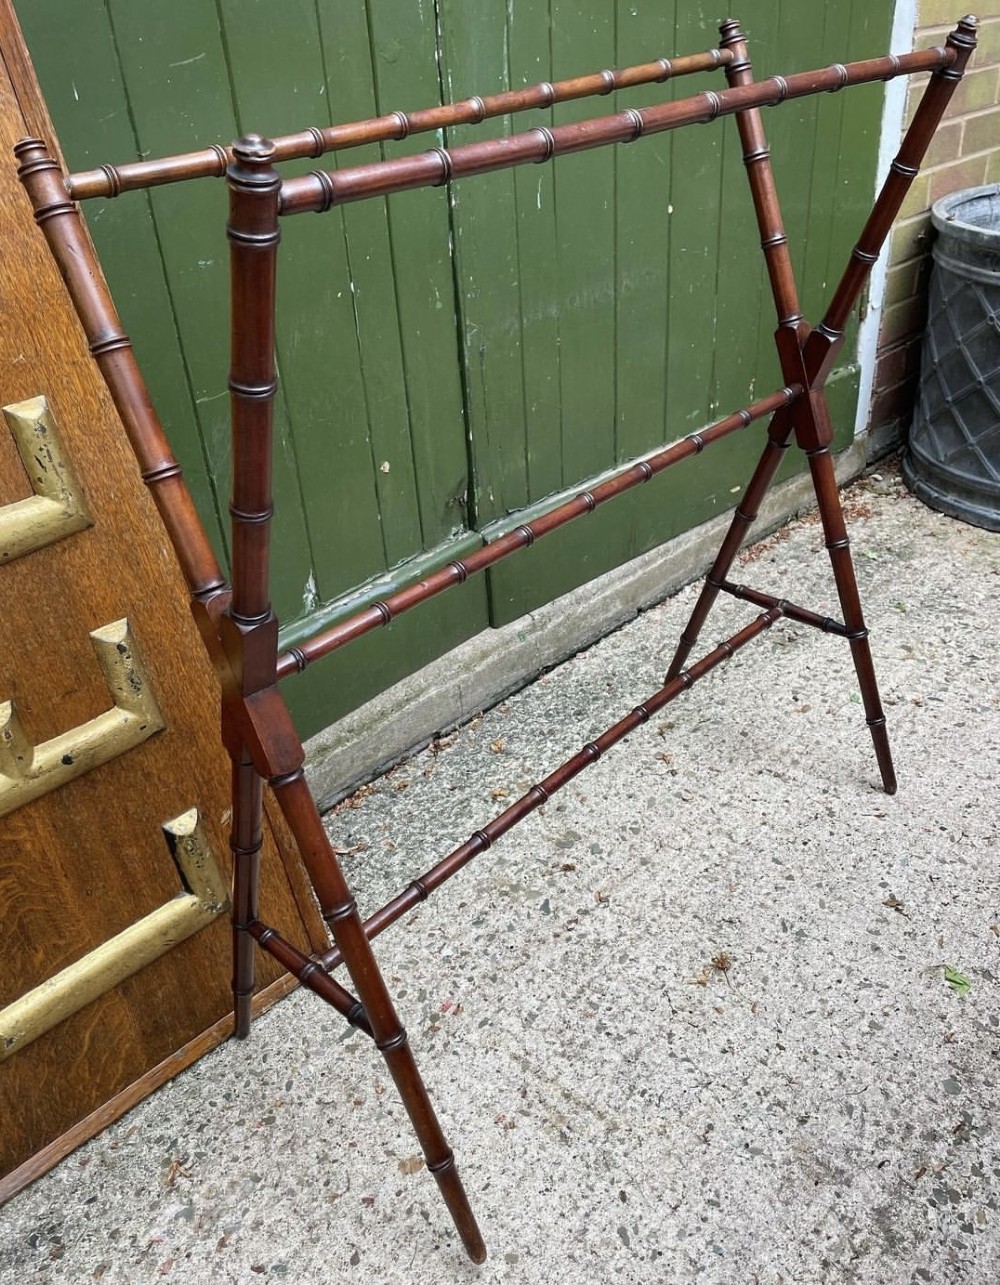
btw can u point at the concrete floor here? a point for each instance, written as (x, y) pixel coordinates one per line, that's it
(690, 1022)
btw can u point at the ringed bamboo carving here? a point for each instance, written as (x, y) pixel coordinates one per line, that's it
(239, 628)
(112, 180)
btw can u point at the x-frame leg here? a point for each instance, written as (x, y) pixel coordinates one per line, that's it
(806, 358)
(257, 728)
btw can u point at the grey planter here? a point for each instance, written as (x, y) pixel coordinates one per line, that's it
(952, 461)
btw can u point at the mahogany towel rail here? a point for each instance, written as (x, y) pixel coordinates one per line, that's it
(239, 629)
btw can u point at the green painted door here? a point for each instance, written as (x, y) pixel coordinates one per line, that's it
(450, 359)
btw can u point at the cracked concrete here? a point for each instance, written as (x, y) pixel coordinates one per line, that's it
(720, 1012)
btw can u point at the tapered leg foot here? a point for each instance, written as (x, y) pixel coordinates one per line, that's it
(457, 1204)
(839, 548)
(242, 1014)
(341, 913)
(883, 754)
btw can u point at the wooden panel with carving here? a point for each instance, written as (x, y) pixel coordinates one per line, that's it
(86, 879)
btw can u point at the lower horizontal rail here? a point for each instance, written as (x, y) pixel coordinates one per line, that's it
(310, 973)
(383, 612)
(805, 617)
(421, 888)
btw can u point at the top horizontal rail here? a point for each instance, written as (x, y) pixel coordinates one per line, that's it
(211, 162)
(319, 190)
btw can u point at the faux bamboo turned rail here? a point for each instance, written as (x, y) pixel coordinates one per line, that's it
(385, 611)
(419, 889)
(311, 974)
(111, 348)
(320, 190)
(791, 610)
(257, 728)
(211, 162)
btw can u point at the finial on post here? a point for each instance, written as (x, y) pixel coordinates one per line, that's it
(254, 151)
(963, 41)
(732, 36)
(253, 162)
(730, 31)
(254, 147)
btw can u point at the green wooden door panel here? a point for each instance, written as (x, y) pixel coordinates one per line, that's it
(642, 243)
(691, 320)
(319, 338)
(584, 201)
(485, 229)
(449, 359)
(530, 54)
(406, 73)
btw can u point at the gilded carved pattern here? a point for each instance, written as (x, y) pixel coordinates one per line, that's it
(29, 771)
(58, 507)
(204, 897)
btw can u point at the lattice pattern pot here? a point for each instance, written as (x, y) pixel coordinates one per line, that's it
(953, 459)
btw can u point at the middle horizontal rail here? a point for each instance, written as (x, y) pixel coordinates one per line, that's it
(421, 888)
(383, 612)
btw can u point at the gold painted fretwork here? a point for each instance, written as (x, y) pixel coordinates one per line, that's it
(28, 771)
(58, 507)
(204, 897)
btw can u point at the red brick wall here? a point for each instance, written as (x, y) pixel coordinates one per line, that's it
(965, 153)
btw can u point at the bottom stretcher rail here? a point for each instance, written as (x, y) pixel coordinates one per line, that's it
(421, 888)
